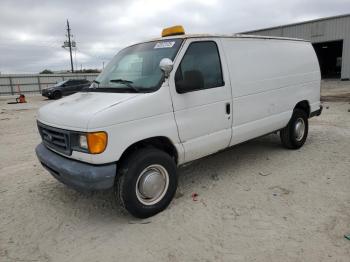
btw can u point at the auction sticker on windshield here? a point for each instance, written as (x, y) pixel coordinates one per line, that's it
(165, 44)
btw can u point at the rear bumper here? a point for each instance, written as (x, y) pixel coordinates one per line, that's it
(79, 175)
(317, 112)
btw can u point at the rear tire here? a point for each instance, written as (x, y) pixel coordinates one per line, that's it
(294, 135)
(146, 182)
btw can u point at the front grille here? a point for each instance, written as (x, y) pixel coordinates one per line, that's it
(55, 138)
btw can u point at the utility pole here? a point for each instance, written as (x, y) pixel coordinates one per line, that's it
(70, 46)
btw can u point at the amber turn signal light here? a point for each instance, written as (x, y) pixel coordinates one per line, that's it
(97, 142)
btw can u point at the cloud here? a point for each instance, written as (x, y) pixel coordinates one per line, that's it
(32, 31)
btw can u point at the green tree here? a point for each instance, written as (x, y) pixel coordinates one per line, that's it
(46, 71)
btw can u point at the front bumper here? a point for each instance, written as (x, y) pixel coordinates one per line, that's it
(46, 93)
(79, 175)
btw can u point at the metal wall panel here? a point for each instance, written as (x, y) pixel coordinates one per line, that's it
(321, 30)
(9, 84)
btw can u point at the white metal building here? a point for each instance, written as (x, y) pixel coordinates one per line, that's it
(330, 37)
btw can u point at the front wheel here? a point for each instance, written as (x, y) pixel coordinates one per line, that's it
(294, 135)
(56, 95)
(147, 182)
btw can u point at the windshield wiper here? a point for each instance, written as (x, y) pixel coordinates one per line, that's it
(128, 83)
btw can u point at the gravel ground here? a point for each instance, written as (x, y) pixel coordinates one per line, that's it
(256, 202)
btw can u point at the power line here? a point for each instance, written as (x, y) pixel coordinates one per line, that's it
(26, 44)
(94, 56)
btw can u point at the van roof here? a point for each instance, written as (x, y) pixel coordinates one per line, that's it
(228, 36)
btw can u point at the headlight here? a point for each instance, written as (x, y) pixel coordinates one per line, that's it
(83, 142)
(93, 143)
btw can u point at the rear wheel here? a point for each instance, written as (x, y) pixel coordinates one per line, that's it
(294, 135)
(147, 182)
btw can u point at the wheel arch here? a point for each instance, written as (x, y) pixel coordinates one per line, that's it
(303, 105)
(160, 142)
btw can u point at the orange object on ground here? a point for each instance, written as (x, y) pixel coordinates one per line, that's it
(21, 99)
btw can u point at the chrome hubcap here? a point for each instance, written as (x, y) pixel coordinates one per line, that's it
(152, 184)
(299, 129)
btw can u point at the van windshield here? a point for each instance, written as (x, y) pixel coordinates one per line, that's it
(136, 68)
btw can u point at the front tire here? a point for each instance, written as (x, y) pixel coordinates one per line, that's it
(294, 135)
(147, 182)
(56, 95)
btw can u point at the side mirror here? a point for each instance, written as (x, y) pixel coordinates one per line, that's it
(166, 65)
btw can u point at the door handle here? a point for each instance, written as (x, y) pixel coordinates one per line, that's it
(228, 108)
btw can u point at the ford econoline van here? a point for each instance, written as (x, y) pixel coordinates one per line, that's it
(165, 102)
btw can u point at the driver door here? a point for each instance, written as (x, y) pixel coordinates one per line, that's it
(202, 100)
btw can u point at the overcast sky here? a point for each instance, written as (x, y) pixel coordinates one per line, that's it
(33, 31)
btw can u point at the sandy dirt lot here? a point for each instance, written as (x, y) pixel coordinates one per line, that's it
(257, 202)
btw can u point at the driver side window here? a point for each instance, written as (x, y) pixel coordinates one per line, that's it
(200, 68)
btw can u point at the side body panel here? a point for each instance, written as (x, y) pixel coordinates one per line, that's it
(69, 88)
(269, 77)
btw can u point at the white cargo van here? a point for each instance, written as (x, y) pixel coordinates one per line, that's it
(168, 101)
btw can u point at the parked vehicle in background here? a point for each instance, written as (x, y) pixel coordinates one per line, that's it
(65, 88)
(162, 103)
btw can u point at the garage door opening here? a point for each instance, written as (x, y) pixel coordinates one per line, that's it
(330, 58)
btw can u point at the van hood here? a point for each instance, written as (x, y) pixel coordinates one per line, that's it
(75, 111)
